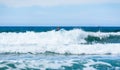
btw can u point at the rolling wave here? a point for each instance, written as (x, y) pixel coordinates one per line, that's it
(74, 41)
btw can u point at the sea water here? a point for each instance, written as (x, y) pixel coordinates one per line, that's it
(70, 48)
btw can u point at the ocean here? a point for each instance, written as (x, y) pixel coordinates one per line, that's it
(59, 48)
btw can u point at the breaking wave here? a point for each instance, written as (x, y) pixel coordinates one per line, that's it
(74, 41)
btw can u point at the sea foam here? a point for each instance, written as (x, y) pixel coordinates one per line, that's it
(61, 42)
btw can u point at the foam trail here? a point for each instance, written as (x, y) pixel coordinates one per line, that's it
(60, 63)
(62, 42)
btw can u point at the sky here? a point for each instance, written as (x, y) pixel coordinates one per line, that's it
(59, 12)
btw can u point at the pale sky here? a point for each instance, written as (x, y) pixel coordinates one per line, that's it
(59, 12)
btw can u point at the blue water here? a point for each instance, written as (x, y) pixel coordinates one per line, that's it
(44, 28)
(59, 48)
(59, 62)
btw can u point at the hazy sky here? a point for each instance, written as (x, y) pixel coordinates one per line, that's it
(60, 12)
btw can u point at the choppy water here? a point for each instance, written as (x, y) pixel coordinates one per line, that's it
(59, 62)
(70, 48)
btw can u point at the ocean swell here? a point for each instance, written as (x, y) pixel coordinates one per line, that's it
(74, 41)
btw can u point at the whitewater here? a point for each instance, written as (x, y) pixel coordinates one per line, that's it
(75, 41)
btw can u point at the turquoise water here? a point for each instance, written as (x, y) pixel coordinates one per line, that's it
(69, 48)
(59, 62)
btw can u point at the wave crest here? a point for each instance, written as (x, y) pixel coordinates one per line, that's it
(74, 41)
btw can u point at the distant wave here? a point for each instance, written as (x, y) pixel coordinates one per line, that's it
(74, 41)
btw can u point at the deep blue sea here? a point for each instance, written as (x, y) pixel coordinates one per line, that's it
(59, 48)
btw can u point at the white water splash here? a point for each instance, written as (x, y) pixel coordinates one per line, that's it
(56, 41)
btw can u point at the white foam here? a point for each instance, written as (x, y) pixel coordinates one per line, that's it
(40, 64)
(56, 41)
(91, 62)
(51, 64)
